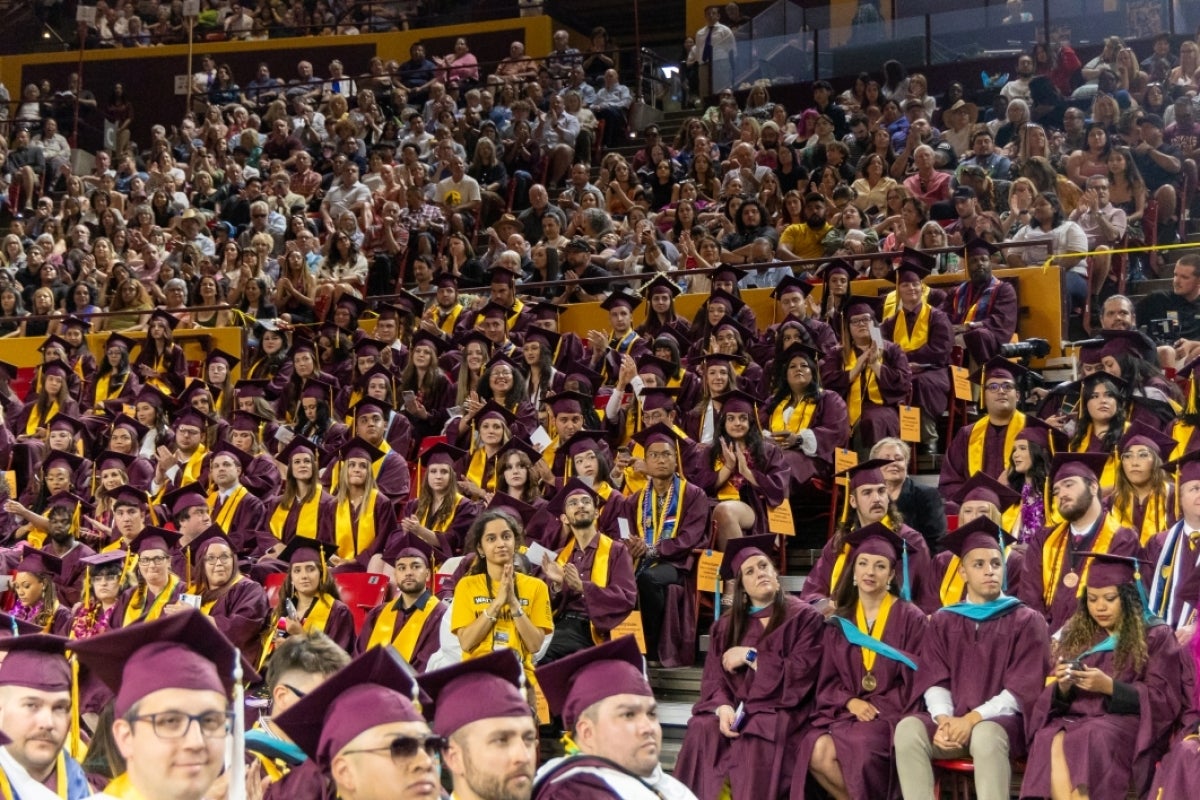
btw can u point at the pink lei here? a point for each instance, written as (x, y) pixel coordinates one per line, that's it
(91, 621)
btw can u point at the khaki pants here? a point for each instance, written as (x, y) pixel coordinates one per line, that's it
(988, 749)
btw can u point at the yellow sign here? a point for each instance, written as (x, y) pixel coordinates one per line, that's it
(962, 383)
(779, 519)
(910, 423)
(844, 460)
(708, 571)
(631, 626)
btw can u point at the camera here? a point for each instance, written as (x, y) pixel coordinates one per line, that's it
(1163, 331)
(1030, 348)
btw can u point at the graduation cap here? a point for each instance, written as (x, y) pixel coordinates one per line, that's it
(739, 402)
(833, 267)
(493, 410)
(152, 538)
(55, 340)
(568, 402)
(408, 303)
(709, 359)
(71, 502)
(494, 310)
(478, 337)
(727, 272)
(621, 298)
(862, 304)
(130, 496)
(998, 368)
(980, 247)
(306, 550)
(185, 497)
(1038, 431)
(247, 422)
(369, 405)
(515, 445)
(487, 687)
(441, 453)
(789, 284)
(176, 651)
(423, 338)
(193, 417)
(135, 428)
(979, 533)
(732, 303)
(658, 433)
(116, 339)
(212, 535)
(354, 305)
(37, 661)
(500, 358)
(582, 441)
(61, 421)
(57, 368)
(367, 346)
(546, 338)
(170, 319)
(445, 280)
(502, 274)
(193, 390)
(317, 389)
(878, 539)
(745, 335)
(657, 398)
(229, 449)
(1107, 569)
(1088, 384)
(546, 311)
(1089, 466)
(1141, 434)
(661, 284)
(11, 626)
(866, 473)
(217, 354)
(39, 562)
(915, 265)
(739, 551)
(585, 378)
(154, 397)
(503, 501)
(377, 688)
(574, 684)
(982, 487)
(250, 388)
(800, 350)
(558, 504)
(298, 444)
(1090, 351)
(414, 547)
(98, 560)
(1118, 343)
(62, 458)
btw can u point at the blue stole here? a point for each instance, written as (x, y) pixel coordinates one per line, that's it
(1109, 645)
(982, 612)
(77, 783)
(1164, 570)
(262, 742)
(626, 342)
(856, 637)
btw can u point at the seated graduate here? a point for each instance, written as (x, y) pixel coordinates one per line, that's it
(412, 622)
(1143, 499)
(1178, 771)
(309, 599)
(1101, 423)
(156, 585)
(440, 515)
(610, 719)
(982, 663)
(980, 497)
(1100, 725)
(758, 679)
(305, 507)
(867, 676)
(1174, 554)
(232, 507)
(364, 517)
(37, 598)
(591, 580)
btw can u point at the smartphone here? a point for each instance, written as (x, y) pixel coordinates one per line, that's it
(289, 608)
(1076, 666)
(192, 600)
(408, 397)
(739, 717)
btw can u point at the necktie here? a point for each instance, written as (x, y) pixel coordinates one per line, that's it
(1193, 539)
(706, 56)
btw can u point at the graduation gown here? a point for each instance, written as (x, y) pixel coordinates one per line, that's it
(1175, 559)
(450, 541)
(771, 477)
(428, 640)
(958, 466)
(326, 515)
(383, 516)
(1052, 552)
(1111, 743)
(241, 613)
(821, 583)
(777, 697)
(605, 606)
(878, 420)
(262, 477)
(171, 365)
(928, 362)
(864, 749)
(438, 405)
(526, 423)
(18, 423)
(975, 661)
(830, 428)
(823, 338)
(123, 602)
(123, 389)
(239, 516)
(339, 625)
(995, 308)
(302, 782)
(69, 584)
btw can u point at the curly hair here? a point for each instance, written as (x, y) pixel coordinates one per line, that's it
(1081, 632)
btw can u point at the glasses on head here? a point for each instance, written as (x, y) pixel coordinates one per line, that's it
(153, 561)
(176, 724)
(405, 747)
(1001, 387)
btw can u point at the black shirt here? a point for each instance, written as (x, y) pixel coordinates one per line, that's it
(1168, 305)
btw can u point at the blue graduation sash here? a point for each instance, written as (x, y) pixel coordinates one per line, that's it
(856, 637)
(982, 612)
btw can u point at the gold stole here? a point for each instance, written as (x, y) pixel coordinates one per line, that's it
(477, 470)
(860, 620)
(355, 396)
(1108, 478)
(134, 613)
(1154, 520)
(920, 333)
(599, 573)
(1056, 544)
(867, 376)
(953, 585)
(839, 563)
(376, 466)
(224, 519)
(728, 491)
(352, 540)
(800, 420)
(406, 641)
(1181, 432)
(35, 420)
(121, 788)
(318, 615)
(978, 437)
(191, 470)
(446, 326)
(207, 608)
(306, 521)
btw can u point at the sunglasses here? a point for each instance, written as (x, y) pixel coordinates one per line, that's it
(405, 747)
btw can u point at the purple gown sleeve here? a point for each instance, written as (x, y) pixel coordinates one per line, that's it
(608, 606)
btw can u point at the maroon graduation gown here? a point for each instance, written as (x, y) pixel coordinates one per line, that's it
(777, 698)
(1112, 742)
(604, 606)
(250, 516)
(326, 519)
(262, 477)
(241, 613)
(771, 477)
(975, 661)
(450, 542)
(17, 423)
(124, 390)
(864, 749)
(999, 319)
(894, 380)
(1064, 601)
(428, 640)
(930, 376)
(340, 626)
(302, 782)
(831, 429)
(69, 584)
(955, 469)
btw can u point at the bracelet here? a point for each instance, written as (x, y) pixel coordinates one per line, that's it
(489, 616)
(518, 614)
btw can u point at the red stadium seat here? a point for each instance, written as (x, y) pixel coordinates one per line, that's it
(362, 591)
(273, 585)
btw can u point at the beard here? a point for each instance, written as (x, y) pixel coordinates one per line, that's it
(494, 787)
(1078, 508)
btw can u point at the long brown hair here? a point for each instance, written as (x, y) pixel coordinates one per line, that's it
(1081, 632)
(740, 614)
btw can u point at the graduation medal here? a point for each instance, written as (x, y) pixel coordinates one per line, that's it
(869, 683)
(1070, 580)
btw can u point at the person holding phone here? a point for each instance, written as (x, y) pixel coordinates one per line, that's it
(761, 667)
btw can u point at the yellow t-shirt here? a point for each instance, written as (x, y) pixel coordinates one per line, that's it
(471, 599)
(803, 241)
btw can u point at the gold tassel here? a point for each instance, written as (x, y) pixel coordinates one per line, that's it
(76, 744)
(569, 745)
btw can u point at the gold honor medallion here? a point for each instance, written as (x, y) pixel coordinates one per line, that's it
(869, 683)
(1070, 580)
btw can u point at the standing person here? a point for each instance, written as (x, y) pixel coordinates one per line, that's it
(491, 736)
(172, 680)
(609, 710)
(978, 696)
(762, 664)
(362, 730)
(715, 45)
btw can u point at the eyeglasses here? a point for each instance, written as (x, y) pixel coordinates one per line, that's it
(862, 320)
(176, 724)
(299, 694)
(659, 455)
(153, 561)
(1001, 387)
(405, 747)
(221, 559)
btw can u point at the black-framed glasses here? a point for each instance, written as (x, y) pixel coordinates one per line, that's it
(1001, 387)
(299, 694)
(405, 747)
(176, 724)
